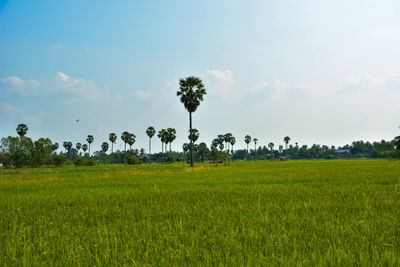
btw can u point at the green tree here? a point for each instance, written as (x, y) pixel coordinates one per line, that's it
(227, 139)
(150, 133)
(54, 147)
(67, 145)
(232, 141)
(191, 92)
(84, 148)
(22, 129)
(90, 140)
(171, 136)
(397, 142)
(193, 135)
(255, 140)
(162, 134)
(247, 140)
(113, 138)
(78, 146)
(104, 148)
(131, 140)
(41, 152)
(125, 138)
(286, 140)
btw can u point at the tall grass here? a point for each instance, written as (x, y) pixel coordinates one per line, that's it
(251, 213)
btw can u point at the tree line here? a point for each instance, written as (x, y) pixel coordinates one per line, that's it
(22, 151)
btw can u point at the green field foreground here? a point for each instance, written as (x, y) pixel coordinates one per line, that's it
(327, 213)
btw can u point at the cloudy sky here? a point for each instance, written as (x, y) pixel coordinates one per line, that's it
(325, 72)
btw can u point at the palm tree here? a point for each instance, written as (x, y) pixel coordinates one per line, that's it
(185, 148)
(232, 141)
(84, 148)
(150, 133)
(193, 135)
(78, 147)
(271, 146)
(227, 139)
(286, 140)
(255, 140)
(104, 147)
(191, 92)
(171, 136)
(54, 147)
(113, 138)
(22, 129)
(131, 140)
(397, 142)
(247, 140)
(67, 146)
(125, 138)
(90, 140)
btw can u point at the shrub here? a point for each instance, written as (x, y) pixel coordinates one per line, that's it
(170, 159)
(59, 160)
(133, 160)
(84, 162)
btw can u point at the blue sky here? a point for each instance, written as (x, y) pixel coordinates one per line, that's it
(318, 71)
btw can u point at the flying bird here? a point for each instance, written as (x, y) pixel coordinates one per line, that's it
(77, 120)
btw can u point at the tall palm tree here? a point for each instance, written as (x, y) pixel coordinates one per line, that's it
(22, 129)
(84, 148)
(67, 146)
(191, 92)
(54, 147)
(90, 140)
(131, 140)
(232, 141)
(255, 140)
(271, 146)
(247, 140)
(150, 133)
(193, 135)
(286, 140)
(78, 147)
(185, 148)
(171, 136)
(104, 147)
(227, 139)
(397, 142)
(161, 135)
(125, 138)
(113, 138)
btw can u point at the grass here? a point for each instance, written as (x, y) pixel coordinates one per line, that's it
(327, 213)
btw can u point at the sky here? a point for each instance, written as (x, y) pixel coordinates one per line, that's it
(324, 72)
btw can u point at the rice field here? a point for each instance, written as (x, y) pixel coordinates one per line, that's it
(326, 213)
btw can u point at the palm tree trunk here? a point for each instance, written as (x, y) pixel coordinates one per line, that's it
(112, 147)
(149, 145)
(89, 150)
(170, 148)
(191, 142)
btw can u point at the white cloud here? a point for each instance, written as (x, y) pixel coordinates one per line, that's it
(62, 76)
(221, 81)
(14, 80)
(9, 109)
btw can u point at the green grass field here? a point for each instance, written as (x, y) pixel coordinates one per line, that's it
(328, 213)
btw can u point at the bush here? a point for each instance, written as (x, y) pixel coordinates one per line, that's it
(59, 160)
(133, 160)
(84, 162)
(170, 159)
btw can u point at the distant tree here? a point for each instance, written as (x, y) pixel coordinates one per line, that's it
(280, 148)
(286, 140)
(271, 146)
(131, 140)
(41, 152)
(113, 138)
(150, 133)
(22, 129)
(54, 147)
(397, 142)
(297, 145)
(221, 141)
(84, 148)
(202, 151)
(104, 148)
(247, 140)
(171, 136)
(193, 135)
(163, 135)
(78, 146)
(125, 138)
(191, 92)
(227, 139)
(255, 140)
(67, 145)
(232, 141)
(90, 140)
